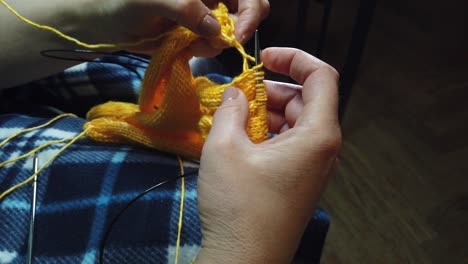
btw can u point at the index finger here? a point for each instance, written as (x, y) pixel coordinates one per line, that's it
(319, 81)
(251, 13)
(194, 15)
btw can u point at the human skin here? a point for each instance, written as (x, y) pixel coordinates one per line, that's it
(107, 21)
(255, 200)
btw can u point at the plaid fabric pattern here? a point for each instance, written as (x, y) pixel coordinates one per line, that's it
(89, 183)
(83, 190)
(77, 89)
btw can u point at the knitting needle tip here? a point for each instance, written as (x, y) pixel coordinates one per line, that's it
(33, 209)
(257, 48)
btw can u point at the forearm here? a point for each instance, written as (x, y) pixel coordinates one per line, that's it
(257, 240)
(20, 58)
(275, 251)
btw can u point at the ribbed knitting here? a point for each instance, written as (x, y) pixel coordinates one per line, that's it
(175, 110)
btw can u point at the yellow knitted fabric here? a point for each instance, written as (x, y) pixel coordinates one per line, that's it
(175, 110)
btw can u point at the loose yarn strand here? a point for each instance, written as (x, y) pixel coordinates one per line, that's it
(181, 209)
(34, 128)
(34, 150)
(74, 40)
(15, 187)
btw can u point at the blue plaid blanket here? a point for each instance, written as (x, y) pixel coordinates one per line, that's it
(88, 184)
(83, 190)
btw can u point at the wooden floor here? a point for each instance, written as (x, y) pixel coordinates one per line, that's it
(401, 193)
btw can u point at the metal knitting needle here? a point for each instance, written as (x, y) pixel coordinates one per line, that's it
(33, 210)
(257, 48)
(257, 54)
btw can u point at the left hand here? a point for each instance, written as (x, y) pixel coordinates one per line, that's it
(133, 20)
(247, 15)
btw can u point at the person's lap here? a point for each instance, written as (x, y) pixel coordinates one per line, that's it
(89, 183)
(86, 186)
(83, 189)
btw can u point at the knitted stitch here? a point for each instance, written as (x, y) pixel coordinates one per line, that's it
(175, 109)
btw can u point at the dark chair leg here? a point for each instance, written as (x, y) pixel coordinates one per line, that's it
(302, 8)
(324, 27)
(361, 28)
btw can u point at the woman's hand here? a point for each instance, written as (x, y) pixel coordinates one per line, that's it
(247, 15)
(132, 20)
(107, 21)
(256, 200)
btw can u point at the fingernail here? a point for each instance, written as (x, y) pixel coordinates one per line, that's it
(209, 26)
(230, 93)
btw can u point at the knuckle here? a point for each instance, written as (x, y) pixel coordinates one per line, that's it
(219, 144)
(223, 146)
(183, 5)
(184, 11)
(265, 8)
(329, 143)
(232, 107)
(330, 70)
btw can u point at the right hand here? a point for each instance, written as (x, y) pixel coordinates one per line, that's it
(255, 200)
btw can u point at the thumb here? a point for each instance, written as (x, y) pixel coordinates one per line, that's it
(196, 16)
(230, 118)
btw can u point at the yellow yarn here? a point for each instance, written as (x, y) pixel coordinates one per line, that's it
(74, 40)
(30, 178)
(34, 128)
(175, 109)
(15, 187)
(181, 210)
(45, 145)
